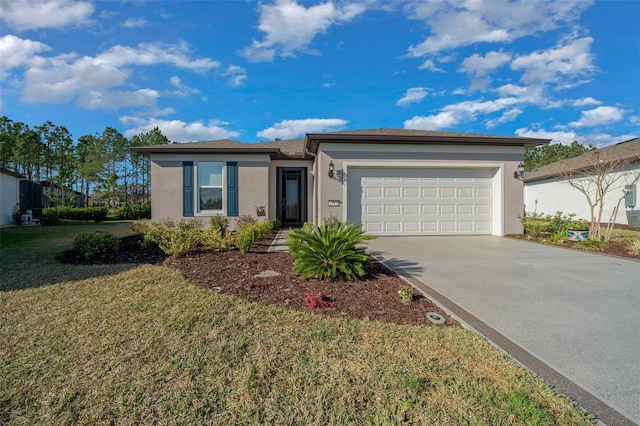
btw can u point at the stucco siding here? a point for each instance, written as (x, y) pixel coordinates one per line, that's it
(167, 185)
(503, 161)
(551, 195)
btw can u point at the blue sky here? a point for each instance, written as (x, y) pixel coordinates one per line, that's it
(250, 71)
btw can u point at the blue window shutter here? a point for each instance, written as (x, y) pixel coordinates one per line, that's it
(232, 188)
(187, 188)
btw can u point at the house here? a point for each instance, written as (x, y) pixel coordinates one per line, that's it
(393, 181)
(547, 190)
(56, 195)
(9, 195)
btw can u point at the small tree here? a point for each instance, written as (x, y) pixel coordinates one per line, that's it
(603, 172)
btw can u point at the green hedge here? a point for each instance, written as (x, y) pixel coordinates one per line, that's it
(134, 212)
(52, 215)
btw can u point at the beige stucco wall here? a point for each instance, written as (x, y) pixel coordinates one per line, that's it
(502, 161)
(167, 185)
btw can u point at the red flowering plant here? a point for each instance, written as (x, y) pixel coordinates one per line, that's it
(315, 299)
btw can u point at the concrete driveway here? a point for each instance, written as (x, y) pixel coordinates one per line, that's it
(571, 317)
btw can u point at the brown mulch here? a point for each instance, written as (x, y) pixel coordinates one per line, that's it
(612, 248)
(374, 298)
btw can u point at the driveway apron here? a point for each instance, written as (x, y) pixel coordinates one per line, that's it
(576, 312)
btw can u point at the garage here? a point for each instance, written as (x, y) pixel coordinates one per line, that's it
(421, 201)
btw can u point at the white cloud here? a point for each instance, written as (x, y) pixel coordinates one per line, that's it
(481, 66)
(182, 89)
(430, 65)
(565, 138)
(135, 23)
(95, 99)
(585, 102)
(598, 116)
(179, 131)
(35, 14)
(177, 55)
(508, 116)
(236, 75)
(413, 95)
(93, 81)
(457, 23)
(454, 114)
(571, 58)
(16, 52)
(289, 28)
(289, 129)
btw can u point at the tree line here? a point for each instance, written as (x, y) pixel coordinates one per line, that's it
(101, 163)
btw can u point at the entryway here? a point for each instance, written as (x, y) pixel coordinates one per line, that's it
(292, 196)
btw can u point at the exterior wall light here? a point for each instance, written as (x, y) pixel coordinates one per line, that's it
(331, 169)
(519, 173)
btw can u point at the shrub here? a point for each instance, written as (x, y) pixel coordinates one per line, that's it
(244, 220)
(219, 223)
(174, 239)
(134, 212)
(93, 244)
(315, 299)
(329, 252)
(213, 239)
(406, 294)
(590, 244)
(537, 225)
(277, 224)
(50, 216)
(248, 234)
(634, 247)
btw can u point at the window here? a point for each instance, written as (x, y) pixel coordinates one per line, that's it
(210, 185)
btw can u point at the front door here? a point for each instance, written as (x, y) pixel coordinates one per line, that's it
(292, 195)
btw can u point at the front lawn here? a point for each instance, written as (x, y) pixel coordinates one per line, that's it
(133, 344)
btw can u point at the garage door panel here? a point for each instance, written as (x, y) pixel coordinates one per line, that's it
(421, 201)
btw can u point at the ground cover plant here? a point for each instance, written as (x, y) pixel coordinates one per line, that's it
(139, 344)
(548, 229)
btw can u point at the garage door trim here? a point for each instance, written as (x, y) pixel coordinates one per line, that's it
(497, 186)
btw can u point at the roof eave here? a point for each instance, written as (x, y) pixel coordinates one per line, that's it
(274, 153)
(313, 140)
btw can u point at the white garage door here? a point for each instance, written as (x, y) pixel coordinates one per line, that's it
(420, 201)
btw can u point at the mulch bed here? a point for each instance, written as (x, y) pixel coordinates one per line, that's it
(612, 248)
(374, 298)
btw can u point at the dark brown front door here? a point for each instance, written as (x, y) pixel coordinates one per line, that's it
(292, 195)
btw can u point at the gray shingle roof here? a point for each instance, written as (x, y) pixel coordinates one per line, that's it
(297, 148)
(623, 152)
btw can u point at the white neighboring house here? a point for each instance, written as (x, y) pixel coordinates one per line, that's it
(546, 191)
(9, 194)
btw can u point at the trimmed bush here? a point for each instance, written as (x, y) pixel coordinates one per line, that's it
(330, 252)
(94, 244)
(213, 239)
(250, 233)
(173, 239)
(219, 223)
(244, 220)
(50, 216)
(134, 212)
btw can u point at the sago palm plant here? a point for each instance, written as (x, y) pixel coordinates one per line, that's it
(329, 252)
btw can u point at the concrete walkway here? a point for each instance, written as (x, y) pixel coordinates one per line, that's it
(571, 317)
(278, 243)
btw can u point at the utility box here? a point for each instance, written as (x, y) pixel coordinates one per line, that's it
(630, 197)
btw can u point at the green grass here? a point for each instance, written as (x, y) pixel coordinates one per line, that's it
(141, 344)
(625, 235)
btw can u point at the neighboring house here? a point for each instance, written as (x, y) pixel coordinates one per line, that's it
(55, 195)
(394, 182)
(9, 195)
(547, 191)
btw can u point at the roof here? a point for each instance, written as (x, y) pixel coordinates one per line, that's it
(10, 173)
(424, 137)
(301, 148)
(626, 152)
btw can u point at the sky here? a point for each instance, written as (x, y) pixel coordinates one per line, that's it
(256, 71)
